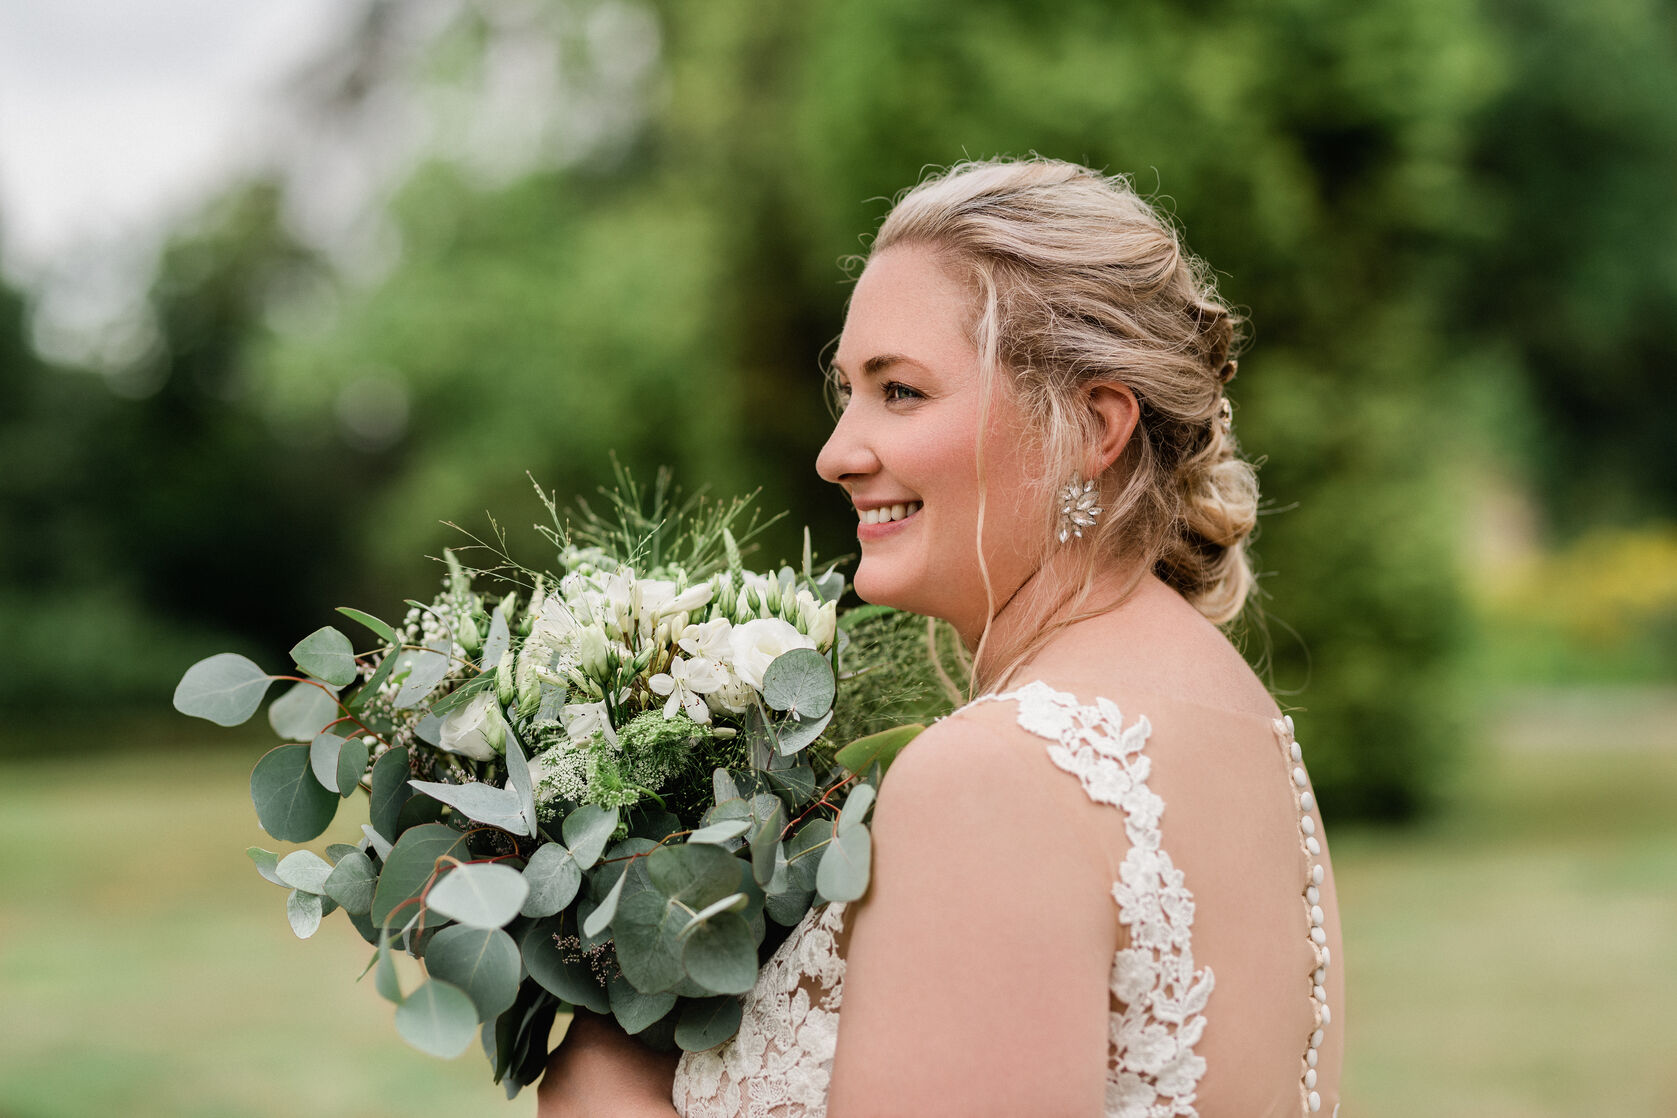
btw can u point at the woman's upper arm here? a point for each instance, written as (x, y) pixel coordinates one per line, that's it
(977, 969)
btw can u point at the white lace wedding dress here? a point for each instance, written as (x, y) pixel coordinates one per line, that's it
(1160, 1063)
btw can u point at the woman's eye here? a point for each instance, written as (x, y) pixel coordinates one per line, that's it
(895, 391)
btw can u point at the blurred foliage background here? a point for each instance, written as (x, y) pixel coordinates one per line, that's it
(508, 237)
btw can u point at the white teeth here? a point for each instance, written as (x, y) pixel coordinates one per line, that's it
(889, 513)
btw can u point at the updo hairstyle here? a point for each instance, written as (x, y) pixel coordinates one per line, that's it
(1079, 281)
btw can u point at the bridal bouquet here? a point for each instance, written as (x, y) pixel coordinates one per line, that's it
(617, 789)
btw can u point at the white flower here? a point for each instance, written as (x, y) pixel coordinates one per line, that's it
(686, 684)
(555, 625)
(472, 730)
(709, 639)
(820, 619)
(757, 643)
(583, 720)
(688, 600)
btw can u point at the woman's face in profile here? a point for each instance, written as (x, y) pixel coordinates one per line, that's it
(905, 449)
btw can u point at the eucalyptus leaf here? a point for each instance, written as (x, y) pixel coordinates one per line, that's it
(721, 832)
(305, 870)
(565, 974)
(267, 862)
(429, 729)
(707, 1022)
(554, 879)
(482, 803)
(385, 979)
(290, 803)
(327, 655)
(303, 711)
(481, 961)
(225, 689)
(335, 851)
(733, 902)
(693, 873)
(856, 807)
(645, 932)
(323, 758)
(389, 791)
(799, 682)
(352, 765)
(425, 668)
(723, 784)
(379, 844)
(587, 830)
(379, 629)
(843, 873)
(795, 783)
(633, 1009)
(881, 748)
(520, 781)
(795, 734)
(601, 917)
(804, 851)
(411, 865)
(462, 694)
(351, 883)
(304, 912)
(721, 955)
(438, 1019)
(479, 895)
(498, 641)
(387, 661)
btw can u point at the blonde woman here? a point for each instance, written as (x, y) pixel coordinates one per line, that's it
(1102, 887)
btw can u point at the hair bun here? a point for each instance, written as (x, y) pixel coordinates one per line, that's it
(1226, 373)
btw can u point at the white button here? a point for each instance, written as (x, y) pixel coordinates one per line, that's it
(1312, 845)
(1318, 935)
(1316, 1038)
(1315, 1102)
(1310, 1057)
(1308, 823)
(1327, 1016)
(1318, 993)
(1326, 957)
(1321, 975)
(1288, 719)
(1312, 894)
(1299, 777)
(1296, 752)
(1316, 916)
(1316, 875)
(1310, 1078)
(1307, 801)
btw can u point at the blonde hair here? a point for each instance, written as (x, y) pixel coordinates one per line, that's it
(1079, 281)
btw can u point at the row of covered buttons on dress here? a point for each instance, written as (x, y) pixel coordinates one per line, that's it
(1313, 907)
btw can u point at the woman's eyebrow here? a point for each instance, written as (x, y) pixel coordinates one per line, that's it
(878, 364)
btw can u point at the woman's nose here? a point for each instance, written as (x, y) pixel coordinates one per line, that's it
(846, 455)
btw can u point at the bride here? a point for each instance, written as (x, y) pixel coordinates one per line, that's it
(1101, 888)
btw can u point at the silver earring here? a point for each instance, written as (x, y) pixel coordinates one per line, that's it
(1077, 508)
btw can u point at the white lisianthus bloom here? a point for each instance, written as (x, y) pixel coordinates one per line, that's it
(708, 640)
(757, 643)
(733, 697)
(688, 600)
(686, 683)
(475, 729)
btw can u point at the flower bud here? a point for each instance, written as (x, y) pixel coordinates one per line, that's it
(466, 632)
(506, 685)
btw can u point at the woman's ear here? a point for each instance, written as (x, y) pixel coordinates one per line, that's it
(1115, 412)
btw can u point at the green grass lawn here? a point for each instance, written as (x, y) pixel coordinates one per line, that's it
(1517, 956)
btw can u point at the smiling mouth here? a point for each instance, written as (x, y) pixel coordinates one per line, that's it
(888, 513)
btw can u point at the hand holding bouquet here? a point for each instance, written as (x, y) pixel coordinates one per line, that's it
(619, 790)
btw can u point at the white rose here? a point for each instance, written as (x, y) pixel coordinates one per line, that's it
(472, 730)
(756, 644)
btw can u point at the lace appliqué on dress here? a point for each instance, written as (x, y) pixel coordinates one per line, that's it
(779, 1063)
(1154, 1071)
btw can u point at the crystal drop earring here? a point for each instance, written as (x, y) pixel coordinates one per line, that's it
(1077, 508)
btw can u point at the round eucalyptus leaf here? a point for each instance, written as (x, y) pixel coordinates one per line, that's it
(765, 840)
(498, 641)
(481, 961)
(323, 758)
(301, 713)
(721, 955)
(412, 862)
(479, 895)
(801, 682)
(693, 873)
(601, 917)
(645, 932)
(390, 791)
(381, 630)
(843, 873)
(482, 803)
(795, 733)
(267, 863)
(352, 766)
(520, 781)
(795, 783)
(225, 689)
(352, 882)
(856, 807)
(335, 851)
(385, 979)
(706, 1022)
(587, 830)
(290, 803)
(554, 879)
(633, 1009)
(424, 667)
(305, 870)
(327, 655)
(304, 912)
(562, 971)
(804, 851)
(437, 1018)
